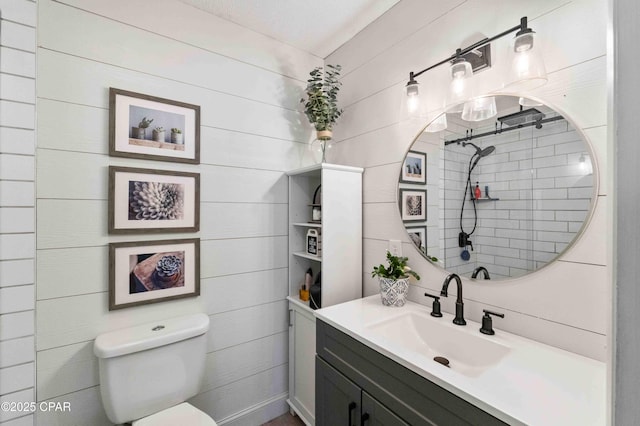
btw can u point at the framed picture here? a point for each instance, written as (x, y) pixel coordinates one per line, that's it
(153, 271)
(151, 128)
(414, 168)
(413, 205)
(418, 235)
(153, 201)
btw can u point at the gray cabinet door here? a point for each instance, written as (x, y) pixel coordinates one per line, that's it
(337, 398)
(376, 414)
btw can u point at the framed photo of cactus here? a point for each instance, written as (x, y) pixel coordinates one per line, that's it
(148, 200)
(152, 128)
(153, 271)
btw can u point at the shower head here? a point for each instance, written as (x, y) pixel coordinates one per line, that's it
(524, 116)
(482, 153)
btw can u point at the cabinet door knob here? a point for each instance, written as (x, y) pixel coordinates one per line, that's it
(352, 406)
(364, 418)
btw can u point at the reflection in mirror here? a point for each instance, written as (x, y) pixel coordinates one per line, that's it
(504, 196)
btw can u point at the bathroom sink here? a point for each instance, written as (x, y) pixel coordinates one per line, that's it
(467, 352)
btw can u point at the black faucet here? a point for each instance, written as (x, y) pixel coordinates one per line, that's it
(481, 269)
(459, 319)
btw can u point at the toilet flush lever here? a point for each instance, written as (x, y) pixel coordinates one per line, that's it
(158, 328)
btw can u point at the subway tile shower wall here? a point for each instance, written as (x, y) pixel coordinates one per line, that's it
(17, 201)
(544, 199)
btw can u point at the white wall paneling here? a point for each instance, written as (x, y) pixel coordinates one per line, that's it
(553, 305)
(17, 201)
(252, 131)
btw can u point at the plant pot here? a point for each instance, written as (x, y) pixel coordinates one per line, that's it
(324, 135)
(177, 138)
(138, 133)
(158, 136)
(394, 292)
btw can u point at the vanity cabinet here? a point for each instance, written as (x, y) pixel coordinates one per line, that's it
(339, 263)
(348, 371)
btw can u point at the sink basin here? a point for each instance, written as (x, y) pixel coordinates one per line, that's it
(467, 352)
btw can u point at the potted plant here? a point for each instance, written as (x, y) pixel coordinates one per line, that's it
(321, 105)
(394, 280)
(176, 136)
(158, 134)
(140, 132)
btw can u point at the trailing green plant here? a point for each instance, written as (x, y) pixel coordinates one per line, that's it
(145, 123)
(397, 268)
(321, 105)
(175, 130)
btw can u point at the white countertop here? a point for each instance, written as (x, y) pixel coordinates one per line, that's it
(534, 384)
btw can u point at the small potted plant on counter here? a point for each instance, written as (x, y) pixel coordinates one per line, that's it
(140, 132)
(394, 280)
(158, 134)
(321, 105)
(176, 136)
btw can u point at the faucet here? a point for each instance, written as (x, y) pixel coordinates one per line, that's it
(459, 319)
(481, 269)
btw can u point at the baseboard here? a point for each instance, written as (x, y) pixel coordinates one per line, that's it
(259, 413)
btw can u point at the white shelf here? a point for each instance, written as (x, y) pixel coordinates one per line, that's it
(307, 256)
(308, 224)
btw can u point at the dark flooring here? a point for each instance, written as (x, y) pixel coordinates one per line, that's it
(285, 420)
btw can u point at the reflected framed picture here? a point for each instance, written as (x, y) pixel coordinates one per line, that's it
(147, 272)
(148, 200)
(152, 128)
(414, 168)
(413, 205)
(418, 235)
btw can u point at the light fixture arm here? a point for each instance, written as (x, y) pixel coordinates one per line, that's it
(522, 28)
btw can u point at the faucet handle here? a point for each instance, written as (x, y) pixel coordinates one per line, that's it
(487, 322)
(435, 308)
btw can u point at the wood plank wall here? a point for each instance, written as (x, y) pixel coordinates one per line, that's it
(17, 206)
(248, 87)
(567, 304)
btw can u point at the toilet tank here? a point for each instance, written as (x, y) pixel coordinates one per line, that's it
(147, 368)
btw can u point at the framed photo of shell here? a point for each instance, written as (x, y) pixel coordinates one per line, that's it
(153, 271)
(148, 200)
(152, 128)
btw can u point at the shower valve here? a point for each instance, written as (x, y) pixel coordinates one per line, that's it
(464, 241)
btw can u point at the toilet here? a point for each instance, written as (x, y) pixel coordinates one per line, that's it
(147, 372)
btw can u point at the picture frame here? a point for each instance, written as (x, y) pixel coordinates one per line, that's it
(145, 272)
(413, 205)
(418, 235)
(414, 168)
(149, 200)
(133, 117)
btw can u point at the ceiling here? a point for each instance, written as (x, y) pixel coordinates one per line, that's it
(317, 27)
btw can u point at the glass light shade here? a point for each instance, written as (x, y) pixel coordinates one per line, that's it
(413, 101)
(526, 102)
(479, 109)
(460, 88)
(527, 66)
(440, 123)
(584, 163)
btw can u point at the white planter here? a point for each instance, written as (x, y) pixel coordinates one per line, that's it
(158, 136)
(394, 292)
(138, 133)
(177, 138)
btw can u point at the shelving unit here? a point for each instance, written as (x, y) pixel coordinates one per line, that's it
(340, 264)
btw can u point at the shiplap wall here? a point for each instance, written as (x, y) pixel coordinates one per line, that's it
(567, 304)
(248, 87)
(17, 201)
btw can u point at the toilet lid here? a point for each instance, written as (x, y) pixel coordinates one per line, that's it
(181, 414)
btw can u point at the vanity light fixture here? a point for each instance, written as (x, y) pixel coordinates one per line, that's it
(527, 66)
(460, 87)
(479, 109)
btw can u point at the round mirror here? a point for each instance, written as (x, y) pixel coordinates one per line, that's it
(499, 197)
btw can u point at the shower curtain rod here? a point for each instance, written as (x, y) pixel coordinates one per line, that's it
(498, 131)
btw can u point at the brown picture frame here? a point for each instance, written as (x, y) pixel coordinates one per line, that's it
(128, 110)
(146, 272)
(139, 200)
